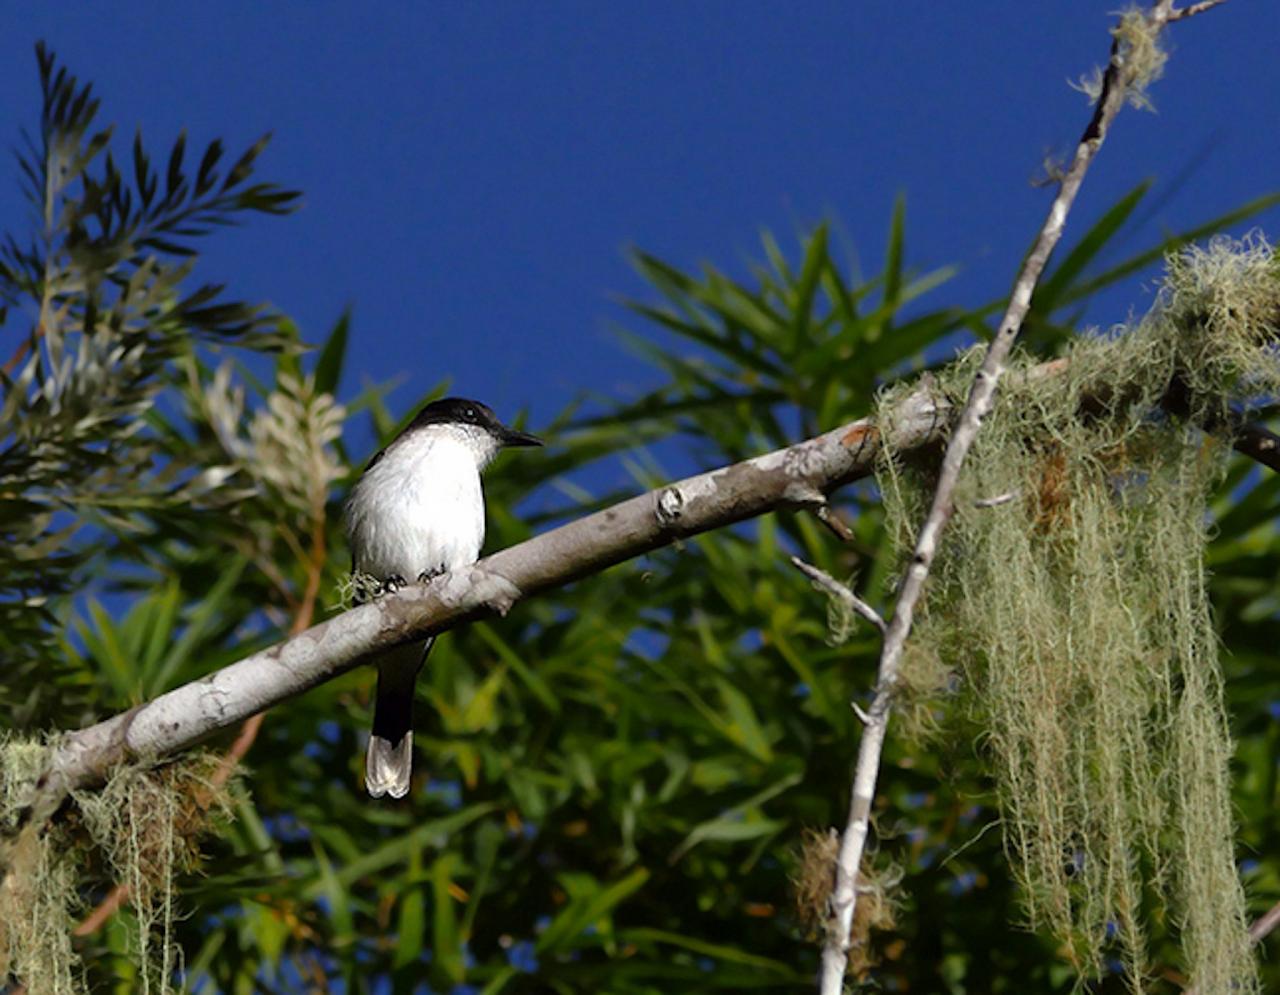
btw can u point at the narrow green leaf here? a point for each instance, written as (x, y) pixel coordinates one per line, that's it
(735, 824)
(103, 644)
(164, 611)
(244, 165)
(582, 912)
(777, 258)
(432, 833)
(340, 912)
(411, 928)
(205, 178)
(815, 264)
(329, 365)
(893, 254)
(447, 943)
(208, 611)
(528, 676)
(488, 839)
(743, 725)
(480, 712)
(712, 338)
(1251, 510)
(720, 951)
(173, 176)
(499, 981)
(726, 830)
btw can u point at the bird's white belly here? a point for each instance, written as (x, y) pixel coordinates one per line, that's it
(420, 509)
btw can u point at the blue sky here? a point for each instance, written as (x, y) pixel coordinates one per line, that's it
(473, 173)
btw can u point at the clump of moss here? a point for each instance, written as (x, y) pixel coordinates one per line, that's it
(1140, 56)
(38, 900)
(1075, 619)
(358, 588)
(143, 828)
(814, 883)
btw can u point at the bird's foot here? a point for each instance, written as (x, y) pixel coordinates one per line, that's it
(392, 584)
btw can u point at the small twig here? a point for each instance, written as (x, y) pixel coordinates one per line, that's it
(828, 517)
(1258, 443)
(1263, 926)
(1116, 83)
(995, 502)
(1193, 10)
(839, 591)
(861, 712)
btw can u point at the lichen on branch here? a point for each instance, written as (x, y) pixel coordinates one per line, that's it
(1075, 619)
(143, 828)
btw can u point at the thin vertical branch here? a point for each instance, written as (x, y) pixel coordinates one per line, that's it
(1122, 80)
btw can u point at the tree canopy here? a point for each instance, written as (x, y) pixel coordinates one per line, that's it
(620, 783)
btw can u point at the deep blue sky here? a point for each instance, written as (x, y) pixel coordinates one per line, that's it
(474, 172)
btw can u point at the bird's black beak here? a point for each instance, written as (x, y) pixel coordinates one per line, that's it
(510, 437)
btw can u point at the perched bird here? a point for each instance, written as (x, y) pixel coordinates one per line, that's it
(418, 511)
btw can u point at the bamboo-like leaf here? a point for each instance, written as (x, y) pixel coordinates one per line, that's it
(567, 927)
(411, 929)
(198, 625)
(339, 910)
(719, 951)
(446, 938)
(816, 262)
(332, 356)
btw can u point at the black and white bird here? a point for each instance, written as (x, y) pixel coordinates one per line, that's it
(418, 511)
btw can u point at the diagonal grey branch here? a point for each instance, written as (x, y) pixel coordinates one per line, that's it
(787, 477)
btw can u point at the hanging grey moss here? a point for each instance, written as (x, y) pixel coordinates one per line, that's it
(1074, 615)
(143, 825)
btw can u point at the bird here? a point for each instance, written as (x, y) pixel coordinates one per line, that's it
(416, 512)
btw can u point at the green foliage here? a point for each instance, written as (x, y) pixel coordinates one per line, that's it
(614, 780)
(106, 276)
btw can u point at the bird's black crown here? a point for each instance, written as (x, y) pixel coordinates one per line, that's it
(460, 411)
(454, 411)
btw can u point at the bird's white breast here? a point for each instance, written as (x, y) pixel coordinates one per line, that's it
(419, 508)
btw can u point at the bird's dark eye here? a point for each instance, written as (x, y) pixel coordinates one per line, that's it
(470, 414)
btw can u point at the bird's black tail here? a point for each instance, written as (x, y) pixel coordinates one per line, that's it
(388, 765)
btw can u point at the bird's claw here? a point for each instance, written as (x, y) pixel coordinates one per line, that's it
(392, 584)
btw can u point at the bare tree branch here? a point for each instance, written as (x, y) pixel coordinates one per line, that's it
(1122, 78)
(828, 517)
(793, 477)
(1265, 924)
(182, 717)
(998, 500)
(1193, 10)
(839, 591)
